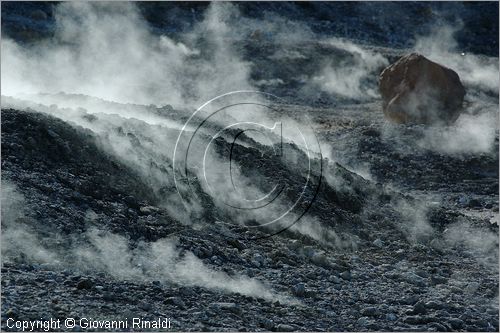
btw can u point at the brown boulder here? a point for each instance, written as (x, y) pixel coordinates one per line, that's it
(416, 90)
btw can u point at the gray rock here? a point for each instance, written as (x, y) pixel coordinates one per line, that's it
(84, 284)
(207, 251)
(268, 324)
(109, 297)
(215, 260)
(308, 251)
(258, 260)
(456, 290)
(131, 202)
(408, 300)
(163, 111)
(378, 243)
(481, 323)
(145, 306)
(346, 275)
(363, 321)
(423, 274)
(236, 243)
(419, 308)
(226, 306)
(10, 313)
(148, 210)
(335, 279)
(472, 287)
(436, 244)
(320, 259)
(53, 134)
(294, 244)
(370, 311)
(438, 279)
(415, 279)
(414, 320)
(474, 203)
(285, 328)
(434, 305)
(299, 290)
(177, 301)
(373, 326)
(456, 323)
(439, 327)
(390, 317)
(463, 201)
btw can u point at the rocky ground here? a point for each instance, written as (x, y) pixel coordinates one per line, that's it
(387, 281)
(402, 234)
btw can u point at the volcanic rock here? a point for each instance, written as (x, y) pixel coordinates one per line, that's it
(299, 290)
(84, 284)
(285, 328)
(416, 90)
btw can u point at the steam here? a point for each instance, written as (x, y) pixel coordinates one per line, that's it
(475, 130)
(161, 260)
(113, 254)
(469, 135)
(349, 77)
(474, 70)
(105, 50)
(141, 145)
(325, 236)
(414, 223)
(18, 236)
(481, 243)
(148, 148)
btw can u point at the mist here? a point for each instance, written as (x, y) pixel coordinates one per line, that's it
(115, 255)
(19, 238)
(471, 134)
(351, 77)
(105, 50)
(480, 243)
(164, 261)
(474, 70)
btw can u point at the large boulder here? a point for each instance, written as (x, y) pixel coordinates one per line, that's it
(416, 90)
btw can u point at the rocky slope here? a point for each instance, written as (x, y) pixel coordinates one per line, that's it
(384, 273)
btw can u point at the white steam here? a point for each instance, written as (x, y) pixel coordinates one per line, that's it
(469, 135)
(105, 50)
(163, 261)
(112, 254)
(474, 70)
(414, 223)
(18, 237)
(480, 242)
(347, 77)
(475, 130)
